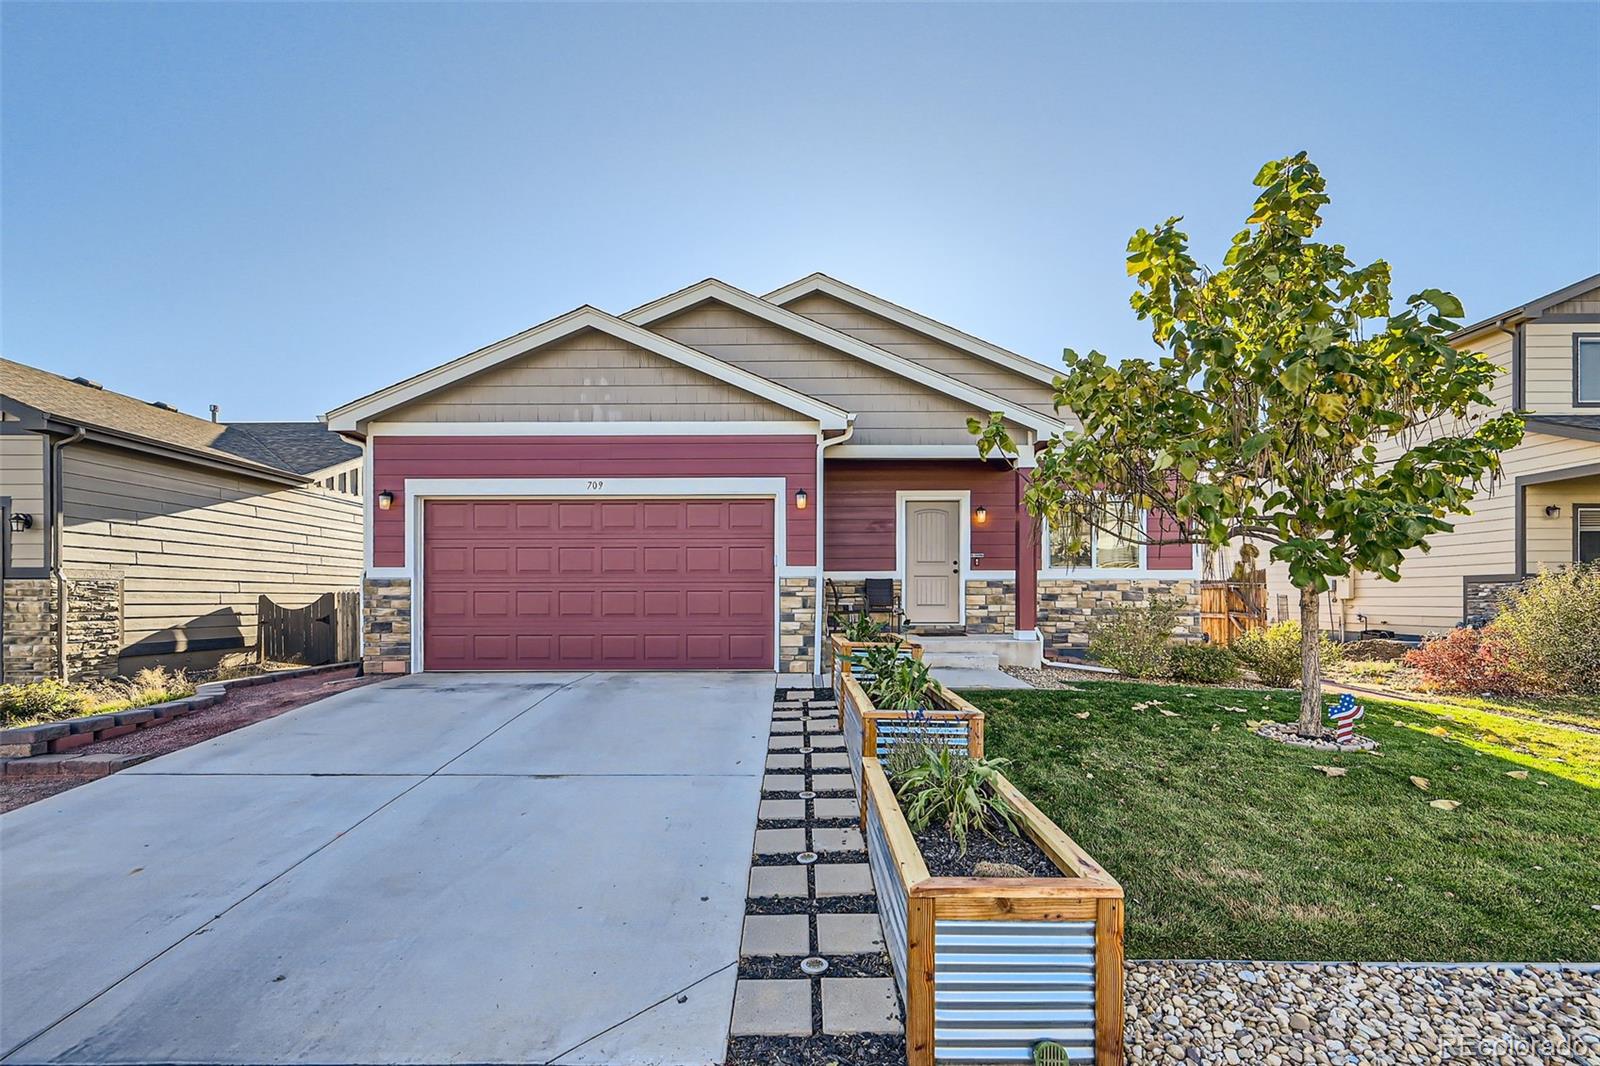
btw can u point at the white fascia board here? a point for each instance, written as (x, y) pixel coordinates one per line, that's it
(590, 429)
(349, 417)
(712, 289)
(917, 323)
(1024, 458)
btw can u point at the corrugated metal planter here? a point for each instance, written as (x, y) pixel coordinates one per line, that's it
(870, 731)
(988, 967)
(847, 654)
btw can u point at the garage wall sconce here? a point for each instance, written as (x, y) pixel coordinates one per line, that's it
(801, 499)
(981, 515)
(385, 500)
(1553, 511)
(21, 522)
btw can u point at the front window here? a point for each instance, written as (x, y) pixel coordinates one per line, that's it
(1587, 370)
(1113, 543)
(1588, 545)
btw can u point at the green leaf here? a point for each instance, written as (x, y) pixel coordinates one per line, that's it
(1253, 446)
(1299, 375)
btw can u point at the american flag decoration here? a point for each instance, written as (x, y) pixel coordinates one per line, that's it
(1344, 715)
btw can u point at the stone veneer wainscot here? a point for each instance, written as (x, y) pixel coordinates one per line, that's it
(386, 625)
(797, 624)
(30, 627)
(1069, 606)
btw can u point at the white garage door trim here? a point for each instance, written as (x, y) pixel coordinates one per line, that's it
(419, 490)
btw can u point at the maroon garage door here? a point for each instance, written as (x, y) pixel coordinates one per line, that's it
(597, 585)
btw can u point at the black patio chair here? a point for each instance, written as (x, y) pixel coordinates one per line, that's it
(880, 599)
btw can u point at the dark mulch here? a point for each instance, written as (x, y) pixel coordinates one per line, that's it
(824, 858)
(863, 1050)
(944, 858)
(820, 905)
(774, 967)
(242, 707)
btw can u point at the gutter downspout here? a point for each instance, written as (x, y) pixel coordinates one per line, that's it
(57, 517)
(824, 443)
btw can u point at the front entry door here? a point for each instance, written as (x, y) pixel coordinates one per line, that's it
(933, 562)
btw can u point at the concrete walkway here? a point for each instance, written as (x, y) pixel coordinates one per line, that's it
(481, 868)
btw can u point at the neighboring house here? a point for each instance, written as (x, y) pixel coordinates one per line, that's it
(697, 482)
(1544, 513)
(160, 529)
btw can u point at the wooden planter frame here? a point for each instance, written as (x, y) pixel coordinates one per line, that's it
(920, 915)
(946, 712)
(844, 653)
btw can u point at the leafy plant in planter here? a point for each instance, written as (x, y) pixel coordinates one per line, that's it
(955, 792)
(901, 684)
(862, 629)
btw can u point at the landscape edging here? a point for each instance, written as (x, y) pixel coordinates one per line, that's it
(28, 741)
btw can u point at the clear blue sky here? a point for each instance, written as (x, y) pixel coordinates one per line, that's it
(280, 207)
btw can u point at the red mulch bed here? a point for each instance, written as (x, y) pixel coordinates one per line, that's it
(242, 707)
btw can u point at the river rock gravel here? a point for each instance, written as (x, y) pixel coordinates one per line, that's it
(1344, 1013)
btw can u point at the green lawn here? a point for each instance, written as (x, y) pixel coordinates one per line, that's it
(1231, 846)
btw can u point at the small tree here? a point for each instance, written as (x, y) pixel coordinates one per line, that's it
(1291, 407)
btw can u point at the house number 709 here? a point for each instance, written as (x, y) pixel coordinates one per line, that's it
(595, 485)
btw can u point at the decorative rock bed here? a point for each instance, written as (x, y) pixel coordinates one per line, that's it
(1288, 733)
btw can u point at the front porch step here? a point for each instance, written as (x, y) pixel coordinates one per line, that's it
(961, 660)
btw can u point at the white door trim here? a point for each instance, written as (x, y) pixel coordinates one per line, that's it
(963, 528)
(420, 490)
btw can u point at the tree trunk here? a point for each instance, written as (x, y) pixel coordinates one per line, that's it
(1310, 664)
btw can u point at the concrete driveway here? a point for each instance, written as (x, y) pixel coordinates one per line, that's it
(527, 868)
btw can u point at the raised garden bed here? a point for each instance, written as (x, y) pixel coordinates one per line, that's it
(848, 654)
(870, 730)
(990, 966)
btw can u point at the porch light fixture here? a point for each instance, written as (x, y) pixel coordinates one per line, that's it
(801, 499)
(981, 515)
(385, 500)
(1553, 511)
(21, 522)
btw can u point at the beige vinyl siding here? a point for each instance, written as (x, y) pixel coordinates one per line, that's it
(196, 547)
(935, 355)
(22, 460)
(1550, 536)
(1548, 366)
(1428, 596)
(592, 377)
(890, 409)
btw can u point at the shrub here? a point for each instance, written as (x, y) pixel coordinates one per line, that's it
(862, 628)
(1463, 660)
(1202, 663)
(1274, 653)
(954, 791)
(155, 684)
(1550, 632)
(901, 687)
(1137, 639)
(42, 701)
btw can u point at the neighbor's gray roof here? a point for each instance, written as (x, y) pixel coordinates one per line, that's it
(1532, 307)
(303, 447)
(285, 450)
(1583, 427)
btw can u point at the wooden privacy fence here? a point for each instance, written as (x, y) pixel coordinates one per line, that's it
(1230, 609)
(326, 630)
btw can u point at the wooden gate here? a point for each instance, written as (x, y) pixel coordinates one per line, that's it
(1230, 609)
(326, 630)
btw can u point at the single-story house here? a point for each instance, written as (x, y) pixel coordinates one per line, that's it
(1545, 511)
(158, 531)
(697, 482)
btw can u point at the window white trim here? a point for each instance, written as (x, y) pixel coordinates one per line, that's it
(1095, 573)
(963, 529)
(420, 490)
